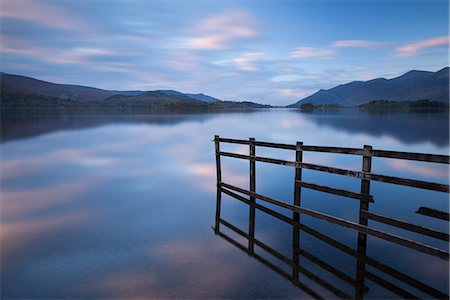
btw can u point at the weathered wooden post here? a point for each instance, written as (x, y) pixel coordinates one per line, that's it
(296, 215)
(219, 180)
(362, 237)
(251, 223)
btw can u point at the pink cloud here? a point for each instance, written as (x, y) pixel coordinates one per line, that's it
(246, 61)
(357, 44)
(41, 13)
(221, 31)
(418, 169)
(21, 234)
(295, 93)
(413, 49)
(311, 52)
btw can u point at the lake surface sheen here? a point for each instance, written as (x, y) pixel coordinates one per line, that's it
(104, 204)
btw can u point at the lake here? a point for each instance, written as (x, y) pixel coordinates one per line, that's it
(121, 204)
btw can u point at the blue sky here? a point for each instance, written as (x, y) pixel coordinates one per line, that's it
(267, 51)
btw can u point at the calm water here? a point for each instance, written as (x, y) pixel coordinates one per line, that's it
(101, 204)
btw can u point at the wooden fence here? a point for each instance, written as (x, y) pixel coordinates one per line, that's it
(364, 197)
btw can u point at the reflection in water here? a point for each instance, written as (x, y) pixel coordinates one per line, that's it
(102, 204)
(409, 128)
(300, 275)
(18, 124)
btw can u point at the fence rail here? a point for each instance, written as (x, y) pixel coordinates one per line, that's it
(364, 197)
(435, 158)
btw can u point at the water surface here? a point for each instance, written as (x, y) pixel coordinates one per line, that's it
(110, 204)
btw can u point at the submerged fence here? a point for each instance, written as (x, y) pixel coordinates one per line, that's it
(364, 197)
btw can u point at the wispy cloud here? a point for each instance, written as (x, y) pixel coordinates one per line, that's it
(221, 31)
(295, 94)
(246, 61)
(286, 78)
(357, 44)
(39, 12)
(311, 52)
(413, 49)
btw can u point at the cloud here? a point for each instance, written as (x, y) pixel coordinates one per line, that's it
(413, 49)
(221, 31)
(295, 94)
(246, 61)
(286, 78)
(311, 52)
(59, 55)
(357, 44)
(41, 13)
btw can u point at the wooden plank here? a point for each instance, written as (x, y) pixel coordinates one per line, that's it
(233, 141)
(296, 215)
(335, 150)
(218, 181)
(407, 226)
(435, 158)
(234, 155)
(259, 206)
(361, 228)
(434, 213)
(337, 245)
(276, 161)
(334, 191)
(365, 185)
(425, 157)
(362, 236)
(275, 145)
(409, 182)
(351, 173)
(252, 184)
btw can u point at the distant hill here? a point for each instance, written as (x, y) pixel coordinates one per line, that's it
(28, 85)
(412, 86)
(153, 98)
(201, 97)
(129, 93)
(20, 91)
(25, 84)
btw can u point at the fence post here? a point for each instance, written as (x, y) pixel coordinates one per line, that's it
(296, 215)
(251, 229)
(362, 237)
(219, 180)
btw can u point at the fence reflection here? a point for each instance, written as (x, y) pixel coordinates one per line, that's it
(295, 265)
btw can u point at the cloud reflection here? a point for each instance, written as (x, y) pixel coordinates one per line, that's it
(417, 169)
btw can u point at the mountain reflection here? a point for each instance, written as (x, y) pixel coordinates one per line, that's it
(18, 124)
(408, 128)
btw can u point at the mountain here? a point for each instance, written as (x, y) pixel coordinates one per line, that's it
(152, 98)
(411, 86)
(20, 91)
(25, 84)
(28, 85)
(201, 97)
(129, 93)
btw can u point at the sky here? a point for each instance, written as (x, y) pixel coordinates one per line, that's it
(267, 51)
